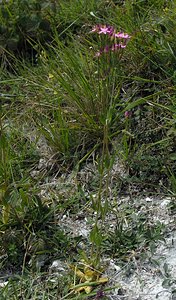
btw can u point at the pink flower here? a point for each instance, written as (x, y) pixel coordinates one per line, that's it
(104, 30)
(122, 46)
(96, 28)
(109, 30)
(122, 35)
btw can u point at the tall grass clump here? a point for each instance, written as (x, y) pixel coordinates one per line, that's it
(85, 81)
(25, 220)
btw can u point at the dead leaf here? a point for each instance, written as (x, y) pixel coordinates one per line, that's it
(88, 279)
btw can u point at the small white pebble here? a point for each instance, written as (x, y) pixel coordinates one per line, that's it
(84, 232)
(56, 264)
(148, 199)
(165, 202)
(114, 266)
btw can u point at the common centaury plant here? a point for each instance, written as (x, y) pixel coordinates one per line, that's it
(109, 56)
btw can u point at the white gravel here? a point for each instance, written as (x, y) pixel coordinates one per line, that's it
(154, 278)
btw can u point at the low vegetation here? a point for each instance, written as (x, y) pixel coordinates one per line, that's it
(87, 119)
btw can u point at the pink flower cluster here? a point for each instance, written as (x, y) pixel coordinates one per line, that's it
(116, 36)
